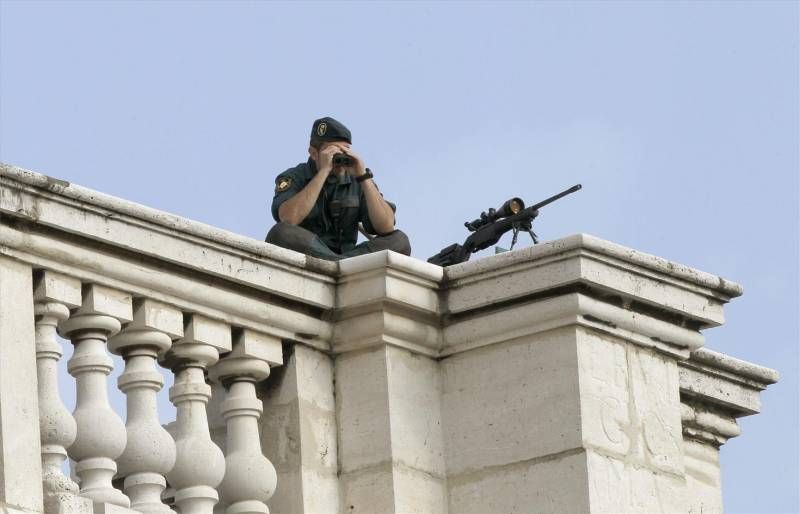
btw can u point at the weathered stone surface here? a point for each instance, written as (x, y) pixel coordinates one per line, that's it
(299, 433)
(55, 287)
(110, 508)
(390, 431)
(619, 486)
(418, 492)
(153, 315)
(20, 450)
(388, 275)
(629, 403)
(200, 330)
(387, 298)
(731, 383)
(414, 407)
(511, 402)
(53, 295)
(362, 396)
(105, 301)
(703, 481)
(555, 484)
(568, 309)
(369, 491)
(393, 488)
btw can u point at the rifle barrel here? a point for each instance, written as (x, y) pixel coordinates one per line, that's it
(553, 198)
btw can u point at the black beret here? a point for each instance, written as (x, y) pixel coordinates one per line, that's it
(328, 129)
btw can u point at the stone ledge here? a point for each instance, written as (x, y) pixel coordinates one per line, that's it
(757, 376)
(631, 278)
(730, 384)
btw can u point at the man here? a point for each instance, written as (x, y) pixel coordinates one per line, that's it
(319, 204)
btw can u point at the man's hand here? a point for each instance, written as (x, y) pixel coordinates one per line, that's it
(325, 164)
(380, 213)
(359, 168)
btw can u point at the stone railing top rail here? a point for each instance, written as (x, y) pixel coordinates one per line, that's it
(175, 223)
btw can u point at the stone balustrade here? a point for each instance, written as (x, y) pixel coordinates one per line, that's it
(566, 377)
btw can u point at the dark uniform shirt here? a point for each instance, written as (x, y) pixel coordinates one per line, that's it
(338, 210)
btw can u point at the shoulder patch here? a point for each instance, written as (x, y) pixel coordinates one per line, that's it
(282, 184)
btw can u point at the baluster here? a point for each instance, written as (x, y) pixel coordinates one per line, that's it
(101, 434)
(250, 477)
(54, 294)
(199, 465)
(150, 450)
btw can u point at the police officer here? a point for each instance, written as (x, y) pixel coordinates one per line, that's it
(318, 204)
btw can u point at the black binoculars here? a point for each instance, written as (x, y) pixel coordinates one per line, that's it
(341, 159)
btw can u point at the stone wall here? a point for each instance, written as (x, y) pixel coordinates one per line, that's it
(565, 377)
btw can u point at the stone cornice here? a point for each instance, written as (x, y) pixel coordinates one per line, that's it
(633, 279)
(731, 385)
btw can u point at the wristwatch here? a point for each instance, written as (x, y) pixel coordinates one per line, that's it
(365, 176)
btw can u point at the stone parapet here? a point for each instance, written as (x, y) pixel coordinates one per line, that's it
(565, 377)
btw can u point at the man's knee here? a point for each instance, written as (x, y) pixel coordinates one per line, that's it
(401, 243)
(300, 240)
(397, 241)
(289, 236)
(284, 234)
(275, 233)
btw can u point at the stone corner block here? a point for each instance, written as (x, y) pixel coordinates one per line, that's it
(257, 345)
(50, 286)
(150, 314)
(106, 301)
(201, 330)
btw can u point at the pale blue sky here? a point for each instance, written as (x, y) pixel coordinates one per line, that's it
(680, 119)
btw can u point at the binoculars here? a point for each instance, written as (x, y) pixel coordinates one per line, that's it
(341, 159)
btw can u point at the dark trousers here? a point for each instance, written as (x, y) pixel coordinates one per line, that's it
(304, 241)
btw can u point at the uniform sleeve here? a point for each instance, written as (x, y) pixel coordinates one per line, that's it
(363, 214)
(287, 184)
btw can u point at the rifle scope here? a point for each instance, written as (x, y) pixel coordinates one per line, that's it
(509, 208)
